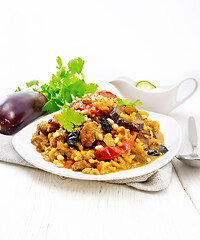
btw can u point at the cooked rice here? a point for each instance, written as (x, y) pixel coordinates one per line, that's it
(54, 148)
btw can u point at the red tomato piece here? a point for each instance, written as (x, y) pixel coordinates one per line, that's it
(85, 106)
(129, 145)
(104, 94)
(69, 163)
(79, 105)
(99, 165)
(107, 153)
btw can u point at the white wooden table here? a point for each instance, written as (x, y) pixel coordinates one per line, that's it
(145, 40)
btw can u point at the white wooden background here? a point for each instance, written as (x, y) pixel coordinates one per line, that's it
(153, 40)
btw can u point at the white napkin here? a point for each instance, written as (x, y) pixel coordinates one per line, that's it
(155, 181)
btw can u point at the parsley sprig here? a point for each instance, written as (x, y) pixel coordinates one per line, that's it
(70, 118)
(64, 86)
(128, 102)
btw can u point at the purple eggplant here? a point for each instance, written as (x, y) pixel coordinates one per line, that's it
(19, 109)
(115, 115)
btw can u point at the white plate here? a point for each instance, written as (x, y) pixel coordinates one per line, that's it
(168, 126)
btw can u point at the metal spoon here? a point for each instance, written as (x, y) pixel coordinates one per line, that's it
(192, 159)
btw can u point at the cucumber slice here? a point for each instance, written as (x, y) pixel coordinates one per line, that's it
(145, 85)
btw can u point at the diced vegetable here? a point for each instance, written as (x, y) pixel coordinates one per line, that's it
(69, 163)
(159, 150)
(104, 94)
(83, 105)
(107, 153)
(115, 115)
(79, 105)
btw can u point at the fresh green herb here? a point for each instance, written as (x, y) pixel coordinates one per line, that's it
(128, 102)
(64, 86)
(76, 65)
(18, 89)
(59, 61)
(70, 118)
(32, 83)
(53, 105)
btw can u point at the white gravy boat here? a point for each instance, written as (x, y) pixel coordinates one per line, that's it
(161, 100)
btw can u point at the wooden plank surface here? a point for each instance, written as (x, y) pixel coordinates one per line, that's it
(38, 205)
(188, 176)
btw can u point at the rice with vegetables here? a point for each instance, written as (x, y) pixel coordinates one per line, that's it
(108, 135)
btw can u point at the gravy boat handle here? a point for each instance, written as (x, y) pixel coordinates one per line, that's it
(189, 94)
